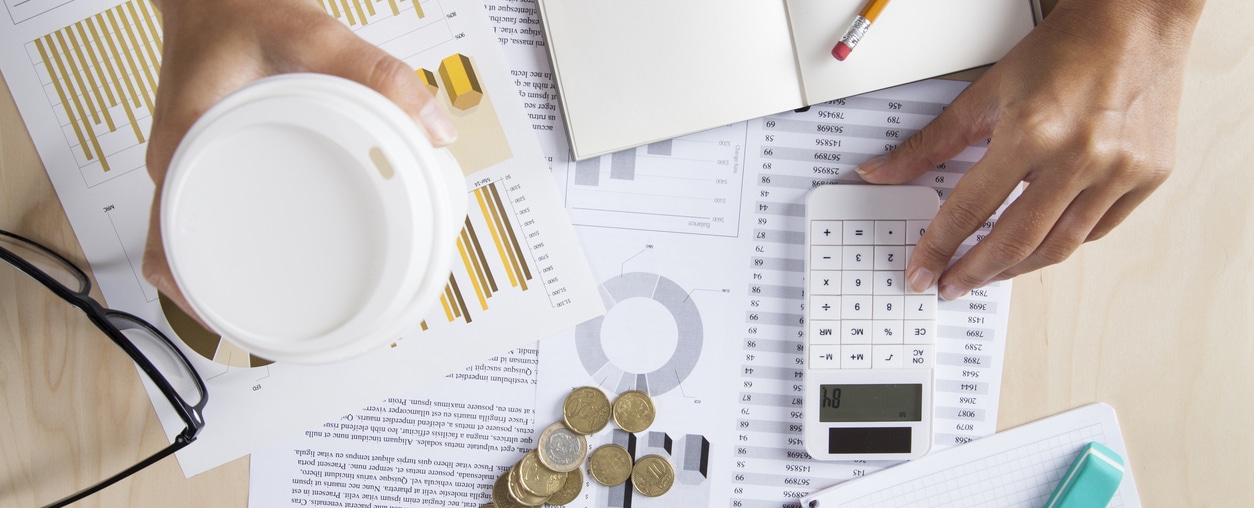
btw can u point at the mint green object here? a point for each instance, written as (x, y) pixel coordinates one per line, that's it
(1091, 481)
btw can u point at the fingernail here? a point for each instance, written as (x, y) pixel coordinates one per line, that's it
(950, 292)
(438, 124)
(867, 167)
(920, 279)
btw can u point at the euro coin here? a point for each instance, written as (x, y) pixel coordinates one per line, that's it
(536, 479)
(517, 492)
(652, 476)
(586, 410)
(570, 490)
(500, 494)
(633, 411)
(610, 465)
(561, 449)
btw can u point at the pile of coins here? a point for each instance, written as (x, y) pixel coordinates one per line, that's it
(552, 474)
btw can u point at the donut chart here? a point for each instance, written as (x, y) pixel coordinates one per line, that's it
(206, 343)
(589, 336)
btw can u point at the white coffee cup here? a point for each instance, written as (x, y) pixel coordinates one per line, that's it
(307, 219)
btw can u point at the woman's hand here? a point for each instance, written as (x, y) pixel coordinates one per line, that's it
(214, 47)
(1083, 110)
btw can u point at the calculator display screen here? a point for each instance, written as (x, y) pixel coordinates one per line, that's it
(871, 403)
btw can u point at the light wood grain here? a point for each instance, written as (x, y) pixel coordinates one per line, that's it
(46, 365)
(1157, 319)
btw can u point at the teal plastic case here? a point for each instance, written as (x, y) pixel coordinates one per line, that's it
(1091, 481)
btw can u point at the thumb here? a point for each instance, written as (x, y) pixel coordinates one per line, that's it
(963, 123)
(366, 64)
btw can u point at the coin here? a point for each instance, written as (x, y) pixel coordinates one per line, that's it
(561, 449)
(633, 411)
(586, 410)
(519, 494)
(570, 490)
(653, 475)
(610, 465)
(536, 479)
(500, 494)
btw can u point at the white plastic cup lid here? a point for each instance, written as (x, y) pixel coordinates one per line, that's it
(307, 218)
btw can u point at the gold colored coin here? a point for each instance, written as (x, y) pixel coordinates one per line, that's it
(561, 449)
(517, 492)
(536, 479)
(653, 475)
(586, 410)
(570, 490)
(500, 494)
(610, 465)
(634, 411)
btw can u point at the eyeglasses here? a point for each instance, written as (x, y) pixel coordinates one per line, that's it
(150, 350)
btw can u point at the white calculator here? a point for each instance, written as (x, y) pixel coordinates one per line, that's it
(869, 339)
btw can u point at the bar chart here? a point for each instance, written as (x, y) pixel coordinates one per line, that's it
(686, 185)
(100, 76)
(477, 271)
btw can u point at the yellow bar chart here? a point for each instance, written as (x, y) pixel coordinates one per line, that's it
(103, 71)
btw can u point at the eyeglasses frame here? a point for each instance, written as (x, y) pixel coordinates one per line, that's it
(103, 318)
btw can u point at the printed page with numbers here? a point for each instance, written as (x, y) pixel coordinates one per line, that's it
(697, 245)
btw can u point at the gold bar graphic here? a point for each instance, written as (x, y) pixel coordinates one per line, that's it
(99, 66)
(428, 78)
(117, 57)
(347, 12)
(78, 105)
(474, 277)
(137, 59)
(460, 82)
(489, 214)
(481, 260)
(71, 52)
(113, 77)
(56, 83)
(104, 62)
(461, 301)
(395, 10)
(444, 302)
(360, 14)
(100, 109)
(370, 6)
(521, 262)
(148, 17)
(148, 43)
(477, 267)
(418, 8)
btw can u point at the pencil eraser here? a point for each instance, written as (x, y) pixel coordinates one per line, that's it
(1092, 480)
(841, 51)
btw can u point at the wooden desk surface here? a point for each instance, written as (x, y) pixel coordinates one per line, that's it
(1157, 319)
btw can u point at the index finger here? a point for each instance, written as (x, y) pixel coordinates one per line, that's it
(974, 199)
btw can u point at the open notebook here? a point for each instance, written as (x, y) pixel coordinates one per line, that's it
(1016, 468)
(631, 73)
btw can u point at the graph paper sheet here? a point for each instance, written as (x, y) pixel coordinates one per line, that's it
(1016, 468)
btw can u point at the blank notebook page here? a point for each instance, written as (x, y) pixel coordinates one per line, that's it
(1015, 468)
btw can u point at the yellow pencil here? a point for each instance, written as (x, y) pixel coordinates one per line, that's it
(858, 29)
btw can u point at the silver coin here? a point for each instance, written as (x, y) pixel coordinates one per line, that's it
(561, 449)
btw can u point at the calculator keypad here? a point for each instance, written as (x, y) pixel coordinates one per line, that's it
(861, 312)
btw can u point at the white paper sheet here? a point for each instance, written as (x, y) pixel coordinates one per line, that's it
(696, 242)
(83, 73)
(1019, 467)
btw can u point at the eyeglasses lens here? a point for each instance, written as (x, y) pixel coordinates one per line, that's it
(73, 406)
